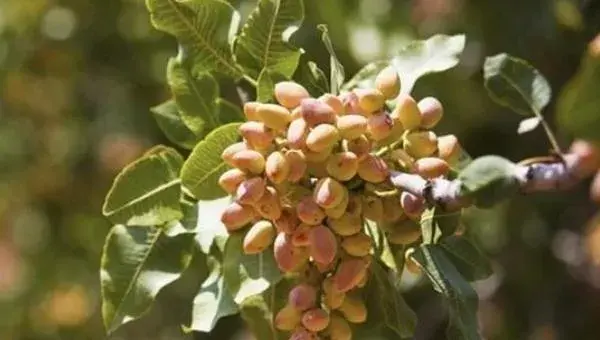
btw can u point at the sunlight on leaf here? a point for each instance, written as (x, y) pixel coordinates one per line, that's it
(338, 74)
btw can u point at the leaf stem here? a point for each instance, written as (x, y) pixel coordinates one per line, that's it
(250, 80)
(550, 134)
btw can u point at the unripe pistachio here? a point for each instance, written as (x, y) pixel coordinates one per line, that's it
(354, 309)
(588, 155)
(421, 144)
(403, 158)
(301, 236)
(431, 112)
(302, 297)
(297, 133)
(290, 94)
(318, 157)
(331, 297)
(431, 167)
(277, 167)
(249, 160)
(323, 245)
(301, 333)
(349, 273)
(269, 205)
(274, 116)
(250, 111)
(250, 190)
(372, 208)
(407, 112)
(388, 82)
(315, 320)
(363, 282)
(413, 205)
(360, 146)
(404, 232)
(328, 193)
(316, 112)
(322, 137)
(357, 245)
(334, 102)
(339, 210)
(231, 150)
(346, 225)
(350, 101)
(259, 237)
(373, 169)
(237, 216)
(392, 210)
(409, 262)
(595, 188)
(380, 126)
(309, 212)
(287, 319)
(355, 206)
(297, 162)
(288, 257)
(324, 268)
(370, 100)
(288, 221)
(296, 113)
(257, 134)
(352, 126)
(231, 179)
(339, 329)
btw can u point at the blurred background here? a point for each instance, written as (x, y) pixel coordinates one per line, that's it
(77, 79)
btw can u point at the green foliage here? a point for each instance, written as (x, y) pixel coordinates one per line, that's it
(577, 108)
(386, 304)
(213, 301)
(435, 223)
(169, 119)
(146, 192)
(338, 75)
(138, 262)
(205, 29)
(248, 275)
(489, 179)
(209, 227)
(201, 171)
(417, 59)
(266, 84)
(447, 280)
(514, 83)
(313, 78)
(263, 43)
(466, 257)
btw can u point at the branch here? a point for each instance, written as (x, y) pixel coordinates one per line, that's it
(534, 177)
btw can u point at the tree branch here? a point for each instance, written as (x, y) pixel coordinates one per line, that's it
(534, 177)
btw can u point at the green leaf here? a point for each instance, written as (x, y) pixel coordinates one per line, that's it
(421, 57)
(461, 297)
(386, 304)
(365, 77)
(381, 246)
(435, 223)
(264, 40)
(312, 78)
(514, 83)
(229, 112)
(266, 85)
(248, 275)
(136, 264)
(577, 107)
(147, 191)
(337, 69)
(209, 224)
(204, 29)
(489, 179)
(259, 311)
(168, 118)
(466, 257)
(201, 171)
(213, 301)
(195, 96)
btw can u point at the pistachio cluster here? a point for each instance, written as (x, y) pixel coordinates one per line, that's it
(307, 175)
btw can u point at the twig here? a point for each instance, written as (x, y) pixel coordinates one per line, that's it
(535, 177)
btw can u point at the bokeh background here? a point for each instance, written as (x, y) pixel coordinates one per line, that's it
(77, 78)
